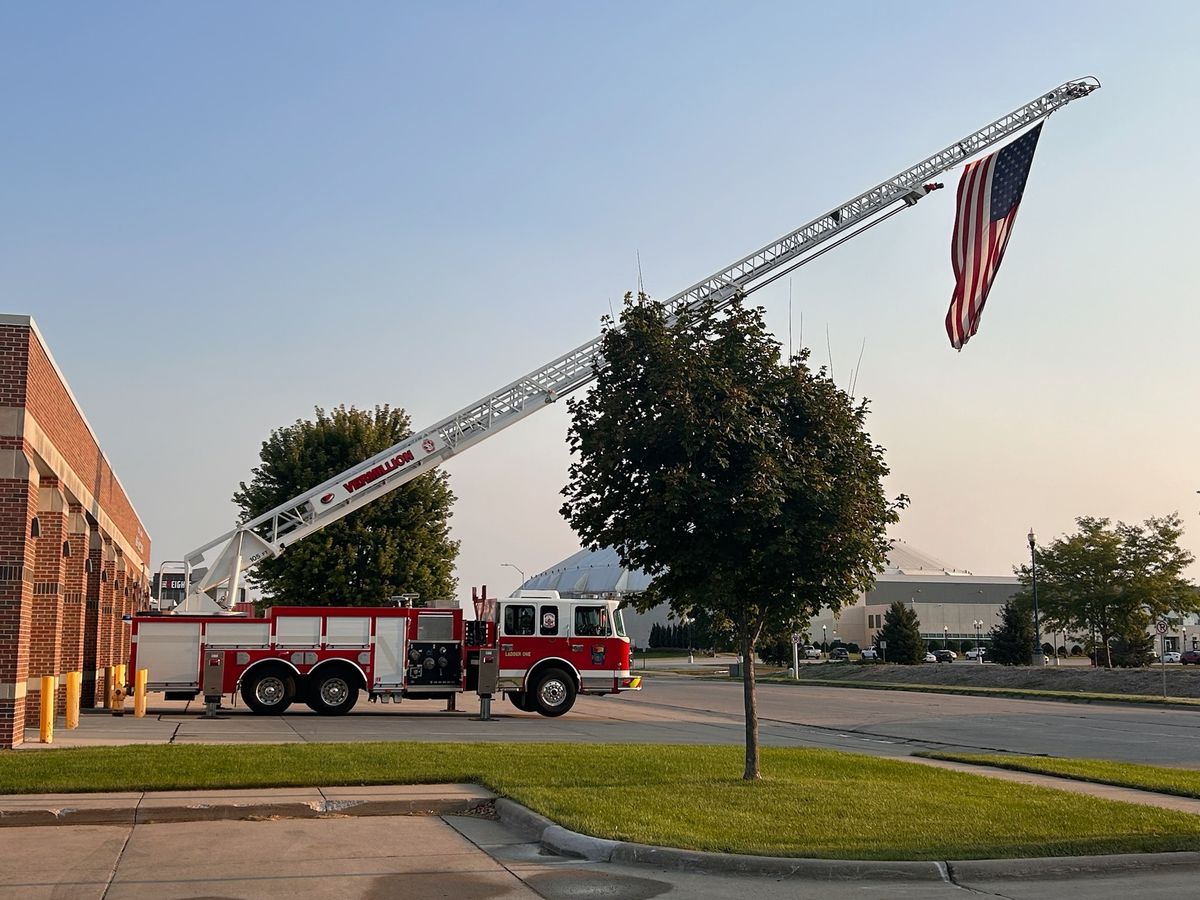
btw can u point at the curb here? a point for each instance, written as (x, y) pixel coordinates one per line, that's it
(581, 846)
(234, 810)
(1071, 866)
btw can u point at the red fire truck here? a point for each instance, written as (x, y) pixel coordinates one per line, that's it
(547, 649)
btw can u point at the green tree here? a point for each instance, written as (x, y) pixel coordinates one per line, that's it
(400, 543)
(1012, 638)
(1113, 581)
(901, 633)
(1133, 652)
(743, 486)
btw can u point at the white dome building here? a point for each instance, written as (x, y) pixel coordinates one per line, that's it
(948, 601)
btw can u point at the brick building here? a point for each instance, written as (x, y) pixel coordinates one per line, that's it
(74, 556)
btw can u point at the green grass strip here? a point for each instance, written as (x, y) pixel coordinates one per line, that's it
(981, 691)
(810, 803)
(1162, 779)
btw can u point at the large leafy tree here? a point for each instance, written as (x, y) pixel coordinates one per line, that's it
(1112, 580)
(746, 487)
(397, 544)
(901, 635)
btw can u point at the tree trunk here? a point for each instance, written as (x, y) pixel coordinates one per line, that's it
(1107, 638)
(749, 699)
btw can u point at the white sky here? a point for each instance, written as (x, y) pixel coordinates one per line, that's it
(221, 220)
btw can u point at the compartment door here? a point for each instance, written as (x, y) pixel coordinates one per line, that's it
(389, 652)
(170, 651)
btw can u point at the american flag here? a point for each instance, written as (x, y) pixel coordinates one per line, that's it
(988, 196)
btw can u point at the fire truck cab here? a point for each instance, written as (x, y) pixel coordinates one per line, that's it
(551, 649)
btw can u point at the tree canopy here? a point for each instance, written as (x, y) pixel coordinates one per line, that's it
(1112, 580)
(744, 486)
(397, 544)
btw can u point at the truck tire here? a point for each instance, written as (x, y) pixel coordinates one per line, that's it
(553, 693)
(521, 701)
(269, 692)
(332, 694)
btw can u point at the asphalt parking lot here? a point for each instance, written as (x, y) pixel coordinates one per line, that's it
(674, 709)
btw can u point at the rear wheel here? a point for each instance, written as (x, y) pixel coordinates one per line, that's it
(333, 694)
(554, 693)
(270, 692)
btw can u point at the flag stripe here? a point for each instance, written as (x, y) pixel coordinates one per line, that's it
(989, 194)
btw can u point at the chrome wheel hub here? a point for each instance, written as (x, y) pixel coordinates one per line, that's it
(334, 691)
(553, 692)
(269, 691)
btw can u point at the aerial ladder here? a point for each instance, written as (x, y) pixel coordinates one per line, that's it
(215, 568)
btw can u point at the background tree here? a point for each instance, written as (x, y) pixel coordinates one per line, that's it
(744, 487)
(1012, 638)
(1134, 651)
(399, 543)
(1112, 580)
(902, 633)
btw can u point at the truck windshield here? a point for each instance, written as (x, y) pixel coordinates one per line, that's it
(619, 622)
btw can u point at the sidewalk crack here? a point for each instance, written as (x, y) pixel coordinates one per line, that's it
(112, 874)
(947, 869)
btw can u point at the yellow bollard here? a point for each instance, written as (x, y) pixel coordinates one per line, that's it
(122, 683)
(139, 692)
(110, 685)
(49, 693)
(74, 691)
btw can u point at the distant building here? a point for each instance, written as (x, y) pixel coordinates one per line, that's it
(947, 601)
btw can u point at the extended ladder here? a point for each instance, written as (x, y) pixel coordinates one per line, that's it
(224, 558)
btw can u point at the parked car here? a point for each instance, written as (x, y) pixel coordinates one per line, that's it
(870, 653)
(944, 655)
(811, 652)
(839, 654)
(1190, 657)
(1172, 656)
(976, 652)
(929, 657)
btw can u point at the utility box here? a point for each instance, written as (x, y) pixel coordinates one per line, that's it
(489, 672)
(214, 677)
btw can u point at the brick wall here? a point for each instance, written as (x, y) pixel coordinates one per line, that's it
(45, 641)
(18, 502)
(65, 586)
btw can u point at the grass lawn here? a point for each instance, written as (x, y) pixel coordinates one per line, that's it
(1163, 779)
(815, 803)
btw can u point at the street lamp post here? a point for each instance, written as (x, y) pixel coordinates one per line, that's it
(978, 623)
(945, 637)
(519, 571)
(825, 639)
(1037, 627)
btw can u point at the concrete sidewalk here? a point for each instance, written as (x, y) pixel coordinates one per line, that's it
(446, 840)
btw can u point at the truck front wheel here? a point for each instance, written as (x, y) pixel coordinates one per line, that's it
(554, 693)
(269, 692)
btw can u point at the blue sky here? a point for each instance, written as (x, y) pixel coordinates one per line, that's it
(224, 214)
